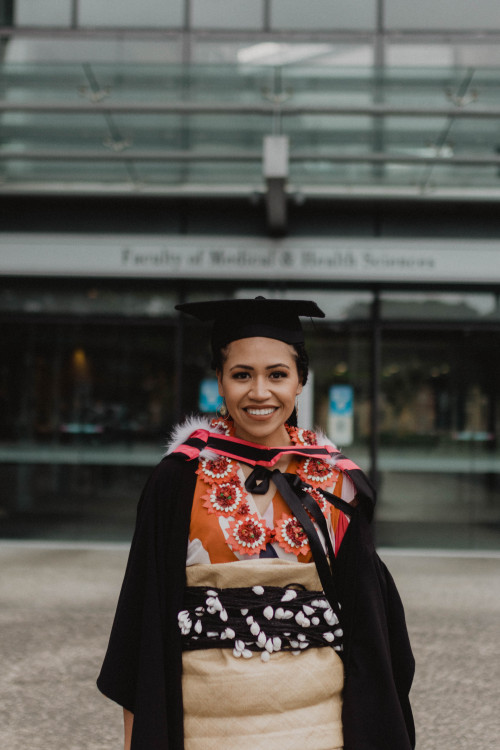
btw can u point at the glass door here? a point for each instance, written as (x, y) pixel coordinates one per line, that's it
(87, 407)
(439, 461)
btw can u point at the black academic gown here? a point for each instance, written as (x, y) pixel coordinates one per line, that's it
(142, 668)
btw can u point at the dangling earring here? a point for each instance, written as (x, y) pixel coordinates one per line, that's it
(297, 409)
(222, 410)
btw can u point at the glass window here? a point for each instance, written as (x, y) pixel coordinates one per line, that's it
(227, 14)
(70, 501)
(458, 306)
(443, 14)
(130, 13)
(323, 14)
(342, 359)
(91, 299)
(338, 305)
(6, 12)
(87, 384)
(86, 410)
(114, 49)
(439, 458)
(91, 381)
(48, 13)
(328, 152)
(478, 53)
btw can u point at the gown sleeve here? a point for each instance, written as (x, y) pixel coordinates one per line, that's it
(143, 663)
(378, 659)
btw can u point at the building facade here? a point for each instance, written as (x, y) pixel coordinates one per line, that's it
(209, 149)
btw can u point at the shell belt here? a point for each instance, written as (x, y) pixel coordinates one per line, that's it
(263, 619)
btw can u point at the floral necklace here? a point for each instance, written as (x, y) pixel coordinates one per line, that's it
(248, 533)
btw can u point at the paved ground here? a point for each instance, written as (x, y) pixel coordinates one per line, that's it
(56, 607)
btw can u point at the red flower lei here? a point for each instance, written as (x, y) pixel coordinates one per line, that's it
(219, 469)
(224, 498)
(247, 533)
(291, 536)
(322, 501)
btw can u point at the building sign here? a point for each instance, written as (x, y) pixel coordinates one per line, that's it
(384, 260)
(341, 415)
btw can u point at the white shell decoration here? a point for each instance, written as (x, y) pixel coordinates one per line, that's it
(255, 628)
(261, 639)
(268, 613)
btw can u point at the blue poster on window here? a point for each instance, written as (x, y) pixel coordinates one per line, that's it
(209, 399)
(341, 414)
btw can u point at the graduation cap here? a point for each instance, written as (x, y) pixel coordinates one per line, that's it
(244, 318)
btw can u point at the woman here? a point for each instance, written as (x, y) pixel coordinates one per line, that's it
(254, 611)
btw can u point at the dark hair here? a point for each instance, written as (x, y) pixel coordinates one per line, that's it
(301, 361)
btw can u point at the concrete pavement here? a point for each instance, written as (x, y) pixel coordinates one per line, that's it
(57, 604)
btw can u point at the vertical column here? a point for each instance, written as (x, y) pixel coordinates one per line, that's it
(179, 364)
(378, 86)
(186, 34)
(74, 14)
(275, 170)
(376, 354)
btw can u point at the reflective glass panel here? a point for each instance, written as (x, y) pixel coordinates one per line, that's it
(323, 14)
(439, 457)
(338, 305)
(443, 14)
(117, 13)
(458, 306)
(48, 13)
(92, 299)
(341, 359)
(88, 407)
(227, 14)
(419, 131)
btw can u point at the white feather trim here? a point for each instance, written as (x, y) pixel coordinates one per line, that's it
(348, 488)
(322, 439)
(182, 431)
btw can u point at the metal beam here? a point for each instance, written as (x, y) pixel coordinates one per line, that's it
(164, 156)
(286, 110)
(341, 191)
(249, 36)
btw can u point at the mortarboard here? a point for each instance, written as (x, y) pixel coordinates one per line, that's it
(244, 318)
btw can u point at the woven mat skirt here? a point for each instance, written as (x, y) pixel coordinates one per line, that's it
(288, 703)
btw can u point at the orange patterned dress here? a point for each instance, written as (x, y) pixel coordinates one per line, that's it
(288, 701)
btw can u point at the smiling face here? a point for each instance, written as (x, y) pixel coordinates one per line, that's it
(259, 381)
